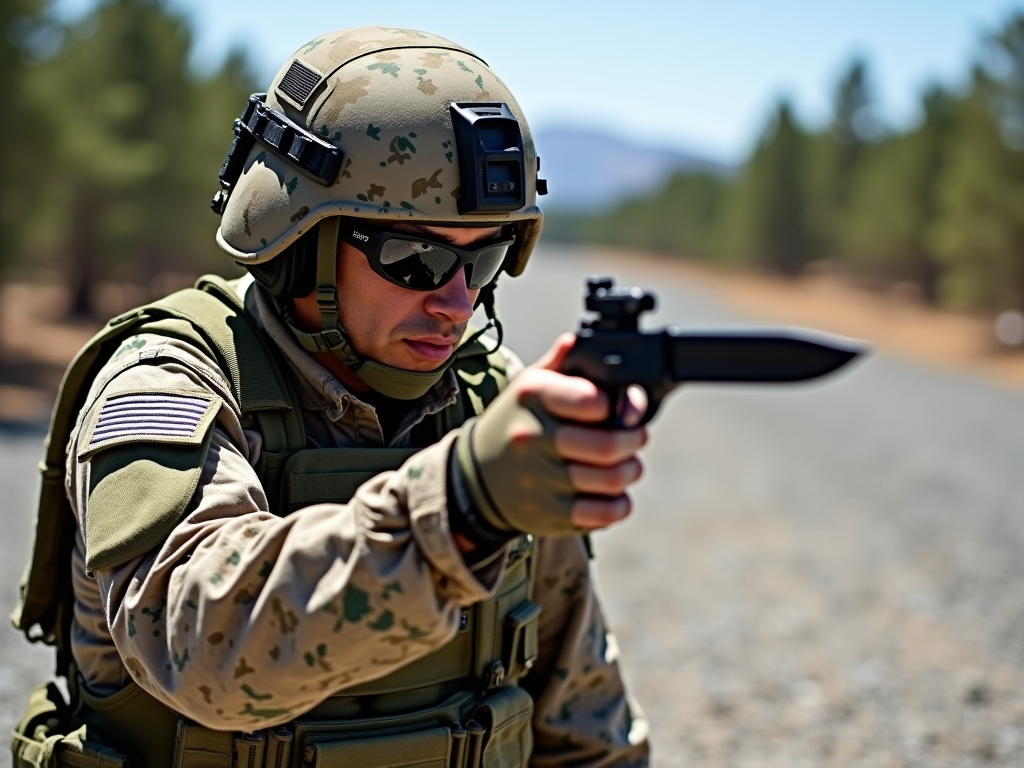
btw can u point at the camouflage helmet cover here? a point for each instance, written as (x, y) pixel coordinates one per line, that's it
(382, 95)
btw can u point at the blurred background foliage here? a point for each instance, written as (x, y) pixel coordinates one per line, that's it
(110, 144)
(938, 207)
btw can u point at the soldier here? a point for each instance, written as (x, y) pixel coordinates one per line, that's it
(318, 521)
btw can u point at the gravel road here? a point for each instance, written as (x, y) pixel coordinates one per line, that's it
(822, 575)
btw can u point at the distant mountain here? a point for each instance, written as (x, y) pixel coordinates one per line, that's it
(589, 170)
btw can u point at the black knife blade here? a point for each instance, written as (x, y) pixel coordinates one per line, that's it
(755, 356)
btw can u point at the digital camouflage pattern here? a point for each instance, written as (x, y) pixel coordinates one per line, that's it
(242, 620)
(384, 100)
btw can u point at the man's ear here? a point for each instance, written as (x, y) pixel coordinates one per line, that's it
(293, 272)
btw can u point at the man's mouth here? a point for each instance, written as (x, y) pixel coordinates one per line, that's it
(433, 348)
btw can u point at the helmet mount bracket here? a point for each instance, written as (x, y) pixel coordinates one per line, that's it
(489, 142)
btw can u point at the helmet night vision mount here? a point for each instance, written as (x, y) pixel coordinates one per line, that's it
(490, 147)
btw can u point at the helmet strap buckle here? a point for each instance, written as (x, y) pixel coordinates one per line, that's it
(332, 339)
(327, 298)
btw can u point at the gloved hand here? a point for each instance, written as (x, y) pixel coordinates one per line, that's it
(532, 464)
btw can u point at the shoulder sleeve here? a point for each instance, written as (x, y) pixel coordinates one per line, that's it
(140, 446)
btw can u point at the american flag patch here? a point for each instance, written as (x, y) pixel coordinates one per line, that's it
(147, 416)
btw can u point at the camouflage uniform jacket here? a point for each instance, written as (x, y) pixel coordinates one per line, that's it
(223, 621)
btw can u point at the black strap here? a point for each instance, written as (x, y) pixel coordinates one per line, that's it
(485, 299)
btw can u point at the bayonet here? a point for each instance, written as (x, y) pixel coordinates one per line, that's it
(614, 353)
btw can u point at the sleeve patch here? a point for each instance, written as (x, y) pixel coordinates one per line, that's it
(161, 417)
(149, 416)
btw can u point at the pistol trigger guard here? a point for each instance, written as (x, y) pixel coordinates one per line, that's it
(653, 404)
(617, 397)
(655, 397)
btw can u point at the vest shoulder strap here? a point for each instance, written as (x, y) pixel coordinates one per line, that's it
(482, 373)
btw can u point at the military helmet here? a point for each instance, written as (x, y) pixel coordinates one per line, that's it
(378, 124)
(408, 116)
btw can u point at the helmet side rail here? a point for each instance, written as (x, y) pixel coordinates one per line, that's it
(306, 152)
(488, 139)
(611, 351)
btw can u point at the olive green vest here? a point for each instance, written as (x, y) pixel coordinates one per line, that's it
(458, 707)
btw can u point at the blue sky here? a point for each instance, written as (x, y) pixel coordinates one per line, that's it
(701, 76)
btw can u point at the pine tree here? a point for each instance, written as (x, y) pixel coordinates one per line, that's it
(883, 229)
(767, 219)
(980, 231)
(137, 141)
(838, 153)
(22, 152)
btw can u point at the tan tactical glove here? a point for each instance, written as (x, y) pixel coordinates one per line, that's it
(530, 471)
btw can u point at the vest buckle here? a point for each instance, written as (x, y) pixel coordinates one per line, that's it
(494, 675)
(521, 645)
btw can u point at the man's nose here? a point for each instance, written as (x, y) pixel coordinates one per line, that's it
(453, 300)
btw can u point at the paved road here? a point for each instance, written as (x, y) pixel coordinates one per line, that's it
(22, 666)
(821, 575)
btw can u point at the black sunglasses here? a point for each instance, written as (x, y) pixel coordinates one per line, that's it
(417, 261)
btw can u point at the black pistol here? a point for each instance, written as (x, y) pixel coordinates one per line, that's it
(612, 352)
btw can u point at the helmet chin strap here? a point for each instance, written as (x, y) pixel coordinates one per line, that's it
(389, 381)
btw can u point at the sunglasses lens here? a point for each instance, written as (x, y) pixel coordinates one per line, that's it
(418, 265)
(488, 262)
(425, 266)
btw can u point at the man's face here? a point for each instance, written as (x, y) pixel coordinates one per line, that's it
(413, 330)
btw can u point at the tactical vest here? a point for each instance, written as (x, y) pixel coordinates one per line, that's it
(458, 707)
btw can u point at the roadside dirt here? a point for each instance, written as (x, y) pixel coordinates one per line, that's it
(36, 343)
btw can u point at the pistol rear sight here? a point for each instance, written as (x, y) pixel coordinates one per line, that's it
(618, 309)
